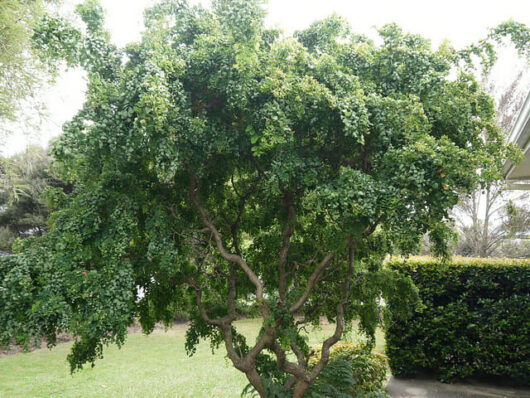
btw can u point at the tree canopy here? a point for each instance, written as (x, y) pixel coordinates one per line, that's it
(221, 159)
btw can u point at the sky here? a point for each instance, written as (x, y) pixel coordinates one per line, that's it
(460, 21)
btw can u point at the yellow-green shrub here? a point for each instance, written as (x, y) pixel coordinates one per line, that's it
(354, 370)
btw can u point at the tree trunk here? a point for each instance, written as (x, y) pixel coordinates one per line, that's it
(255, 379)
(476, 241)
(485, 231)
(300, 389)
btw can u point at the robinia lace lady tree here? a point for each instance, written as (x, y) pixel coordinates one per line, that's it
(218, 160)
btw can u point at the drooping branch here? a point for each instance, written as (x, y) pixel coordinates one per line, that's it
(198, 298)
(245, 364)
(339, 328)
(289, 367)
(287, 234)
(370, 230)
(234, 225)
(313, 309)
(232, 279)
(234, 258)
(312, 281)
(329, 342)
(301, 379)
(299, 355)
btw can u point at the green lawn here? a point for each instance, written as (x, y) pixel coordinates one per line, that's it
(147, 366)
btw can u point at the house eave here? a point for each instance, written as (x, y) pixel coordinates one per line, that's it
(521, 136)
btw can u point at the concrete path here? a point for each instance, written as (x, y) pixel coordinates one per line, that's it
(429, 388)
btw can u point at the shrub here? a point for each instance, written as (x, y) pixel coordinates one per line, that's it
(247, 309)
(181, 317)
(475, 320)
(353, 371)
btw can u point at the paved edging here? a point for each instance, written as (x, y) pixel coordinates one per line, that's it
(429, 388)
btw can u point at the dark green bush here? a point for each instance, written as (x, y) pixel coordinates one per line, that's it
(475, 320)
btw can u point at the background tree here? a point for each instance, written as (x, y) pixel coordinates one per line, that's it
(23, 211)
(517, 219)
(21, 73)
(509, 100)
(219, 159)
(516, 223)
(482, 214)
(480, 238)
(502, 220)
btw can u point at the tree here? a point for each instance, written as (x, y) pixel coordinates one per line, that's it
(23, 211)
(516, 224)
(480, 238)
(21, 73)
(484, 228)
(502, 219)
(509, 100)
(517, 219)
(216, 158)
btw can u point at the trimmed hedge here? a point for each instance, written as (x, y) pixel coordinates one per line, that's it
(475, 320)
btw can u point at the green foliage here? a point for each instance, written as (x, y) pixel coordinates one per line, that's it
(516, 248)
(45, 291)
(20, 72)
(475, 320)
(518, 33)
(516, 219)
(484, 50)
(324, 33)
(7, 238)
(23, 209)
(247, 309)
(353, 371)
(217, 160)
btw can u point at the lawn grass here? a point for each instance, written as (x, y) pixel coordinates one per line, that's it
(146, 366)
